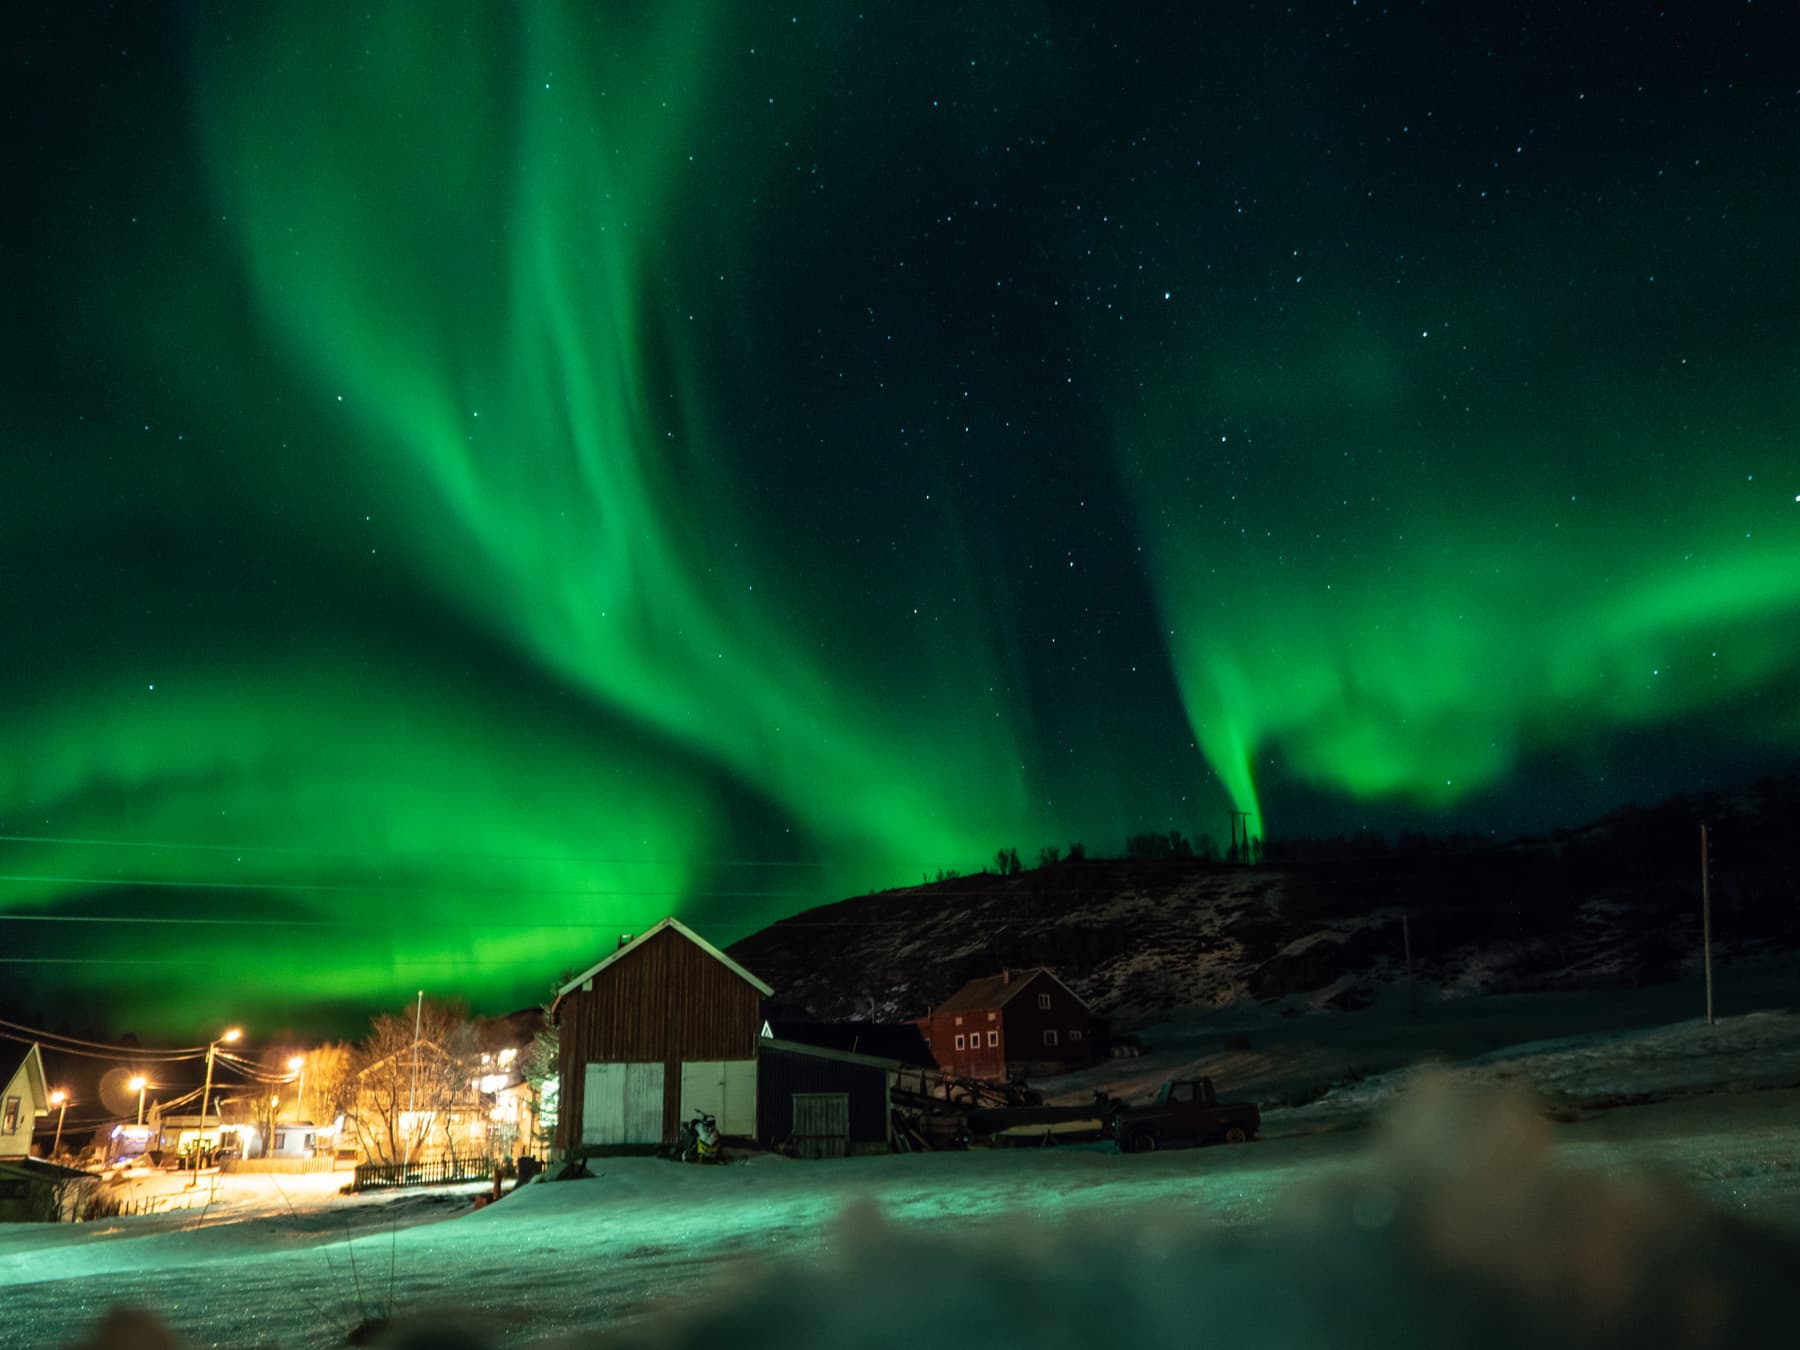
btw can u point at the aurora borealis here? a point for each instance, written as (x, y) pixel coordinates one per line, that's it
(480, 478)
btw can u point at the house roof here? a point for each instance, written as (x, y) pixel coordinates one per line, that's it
(826, 1052)
(40, 1169)
(31, 1065)
(996, 991)
(900, 1043)
(424, 1043)
(644, 937)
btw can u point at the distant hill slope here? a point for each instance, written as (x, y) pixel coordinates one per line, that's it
(1615, 901)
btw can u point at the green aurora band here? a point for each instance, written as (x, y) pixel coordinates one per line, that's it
(1400, 646)
(476, 507)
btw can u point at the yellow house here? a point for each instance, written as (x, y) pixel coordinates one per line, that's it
(25, 1098)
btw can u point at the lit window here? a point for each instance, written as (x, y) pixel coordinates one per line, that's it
(959, 1042)
(1044, 1001)
(1049, 1038)
(959, 1021)
(993, 1038)
(993, 1016)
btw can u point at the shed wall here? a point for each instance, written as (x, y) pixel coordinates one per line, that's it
(782, 1073)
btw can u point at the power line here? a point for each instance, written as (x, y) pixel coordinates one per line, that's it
(225, 921)
(299, 851)
(366, 887)
(100, 1045)
(132, 1055)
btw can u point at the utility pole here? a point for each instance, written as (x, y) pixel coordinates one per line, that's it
(413, 1091)
(60, 1100)
(1412, 989)
(1706, 923)
(205, 1097)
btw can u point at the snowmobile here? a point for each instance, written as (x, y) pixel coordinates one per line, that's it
(699, 1141)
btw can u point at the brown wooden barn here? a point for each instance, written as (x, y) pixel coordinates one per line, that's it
(664, 1027)
(1019, 1021)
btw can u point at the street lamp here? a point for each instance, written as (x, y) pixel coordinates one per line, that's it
(206, 1095)
(298, 1065)
(138, 1085)
(60, 1100)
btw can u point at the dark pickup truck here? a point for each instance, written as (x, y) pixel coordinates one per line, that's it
(1186, 1111)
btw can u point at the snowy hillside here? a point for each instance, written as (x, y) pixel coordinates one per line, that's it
(1615, 903)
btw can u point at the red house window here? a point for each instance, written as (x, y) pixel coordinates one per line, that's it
(1044, 1002)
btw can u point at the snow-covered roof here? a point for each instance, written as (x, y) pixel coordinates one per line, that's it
(900, 1041)
(826, 1052)
(641, 938)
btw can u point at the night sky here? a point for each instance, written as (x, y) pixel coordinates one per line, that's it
(479, 478)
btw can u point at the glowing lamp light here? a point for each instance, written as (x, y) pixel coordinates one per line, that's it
(138, 1084)
(233, 1034)
(295, 1063)
(58, 1097)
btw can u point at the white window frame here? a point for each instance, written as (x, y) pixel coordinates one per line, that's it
(993, 1038)
(1074, 1035)
(1043, 1003)
(1049, 1037)
(959, 1040)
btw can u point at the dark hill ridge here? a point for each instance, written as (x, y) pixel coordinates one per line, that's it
(1617, 901)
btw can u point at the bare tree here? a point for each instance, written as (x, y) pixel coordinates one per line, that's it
(411, 1084)
(330, 1083)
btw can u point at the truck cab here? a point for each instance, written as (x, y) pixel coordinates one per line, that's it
(1187, 1092)
(1185, 1112)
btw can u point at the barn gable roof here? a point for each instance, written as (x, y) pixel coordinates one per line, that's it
(644, 937)
(996, 991)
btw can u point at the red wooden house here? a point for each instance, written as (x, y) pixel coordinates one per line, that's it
(663, 1027)
(1024, 1021)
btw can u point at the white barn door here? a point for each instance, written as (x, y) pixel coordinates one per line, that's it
(725, 1088)
(739, 1116)
(622, 1104)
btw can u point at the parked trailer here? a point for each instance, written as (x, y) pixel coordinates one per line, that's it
(1011, 1126)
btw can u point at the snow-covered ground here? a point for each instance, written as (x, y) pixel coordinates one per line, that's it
(1507, 1179)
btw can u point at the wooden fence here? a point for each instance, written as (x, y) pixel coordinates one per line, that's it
(283, 1165)
(443, 1172)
